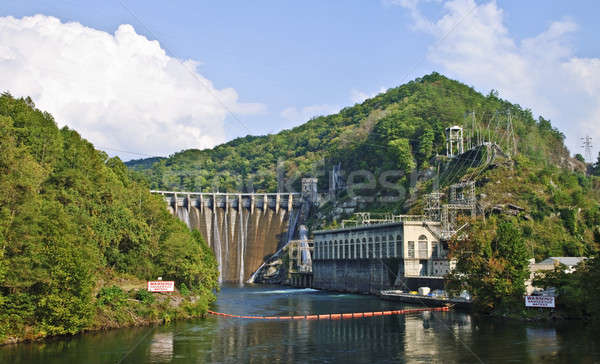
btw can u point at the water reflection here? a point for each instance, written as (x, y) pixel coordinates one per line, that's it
(449, 337)
(161, 347)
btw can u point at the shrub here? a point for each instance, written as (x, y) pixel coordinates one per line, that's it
(113, 296)
(184, 290)
(144, 296)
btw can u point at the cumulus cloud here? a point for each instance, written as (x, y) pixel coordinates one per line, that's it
(296, 116)
(118, 90)
(474, 45)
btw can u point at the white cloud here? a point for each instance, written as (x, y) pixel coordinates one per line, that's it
(357, 96)
(473, 44)
(118, 90)
(296, 116)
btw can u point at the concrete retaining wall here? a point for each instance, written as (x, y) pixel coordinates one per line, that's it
(367, 276)
(356, 276)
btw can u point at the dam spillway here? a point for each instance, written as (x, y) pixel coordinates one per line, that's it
(241, 229)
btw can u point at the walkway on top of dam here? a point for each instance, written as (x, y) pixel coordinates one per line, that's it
(160, 192)
(178, 199)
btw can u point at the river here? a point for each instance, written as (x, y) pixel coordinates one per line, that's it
(448, 337)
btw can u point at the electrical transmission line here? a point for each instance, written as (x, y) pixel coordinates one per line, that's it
(587, 147)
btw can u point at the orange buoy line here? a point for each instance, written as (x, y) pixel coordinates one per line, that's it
(334, 316)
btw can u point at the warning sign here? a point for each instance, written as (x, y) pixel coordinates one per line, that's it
(161, 286)
(539, 301)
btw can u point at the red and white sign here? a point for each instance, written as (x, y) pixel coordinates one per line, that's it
(161, 286)
(539, 301)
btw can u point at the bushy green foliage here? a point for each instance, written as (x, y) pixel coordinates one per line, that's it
(578, 292)
(184, 290)
(562, 207)
(596, 167)
(144, 296)
(113, 295)
(68, 213)
(492, 265)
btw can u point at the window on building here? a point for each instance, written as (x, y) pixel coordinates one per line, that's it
(422, 246)
(435, 246)
(423, 264)
(348, 249)
(411, 249)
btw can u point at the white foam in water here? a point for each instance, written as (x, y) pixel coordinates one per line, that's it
(285, 291)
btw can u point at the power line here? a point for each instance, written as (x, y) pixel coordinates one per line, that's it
(125, 151)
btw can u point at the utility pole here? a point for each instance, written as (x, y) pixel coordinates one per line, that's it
(587, 147)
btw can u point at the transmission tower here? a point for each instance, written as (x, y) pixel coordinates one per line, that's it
(587, 147)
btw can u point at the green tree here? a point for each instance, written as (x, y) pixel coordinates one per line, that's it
(71, 217)
(578, 293)
(401, 151)
(596, 166)
(426, 146)
(492, 265)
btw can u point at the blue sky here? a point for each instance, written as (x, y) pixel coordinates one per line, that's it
(273, 64)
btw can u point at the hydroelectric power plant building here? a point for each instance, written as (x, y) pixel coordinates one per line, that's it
(404, 253)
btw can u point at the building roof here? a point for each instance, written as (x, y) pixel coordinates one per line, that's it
(568, 261)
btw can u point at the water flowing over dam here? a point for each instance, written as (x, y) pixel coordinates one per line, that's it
(241, 229)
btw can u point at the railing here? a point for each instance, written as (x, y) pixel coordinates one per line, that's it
(224, 193)
(390, 219)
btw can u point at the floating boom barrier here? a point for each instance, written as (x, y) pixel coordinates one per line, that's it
(334, 316)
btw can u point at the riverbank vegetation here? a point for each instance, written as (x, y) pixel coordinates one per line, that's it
(578, 292)
(72, 222)
(492, 265)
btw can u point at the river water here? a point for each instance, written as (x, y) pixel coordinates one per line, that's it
(427, 337)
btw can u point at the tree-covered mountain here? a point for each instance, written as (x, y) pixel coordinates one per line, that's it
(76, 229)
(403, 130)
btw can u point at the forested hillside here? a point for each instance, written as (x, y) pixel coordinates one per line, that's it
(403, 130)
(76, 230)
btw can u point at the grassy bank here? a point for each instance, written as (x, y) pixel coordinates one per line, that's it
(125, 302)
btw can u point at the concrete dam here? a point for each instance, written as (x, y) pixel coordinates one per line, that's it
(242, 229)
